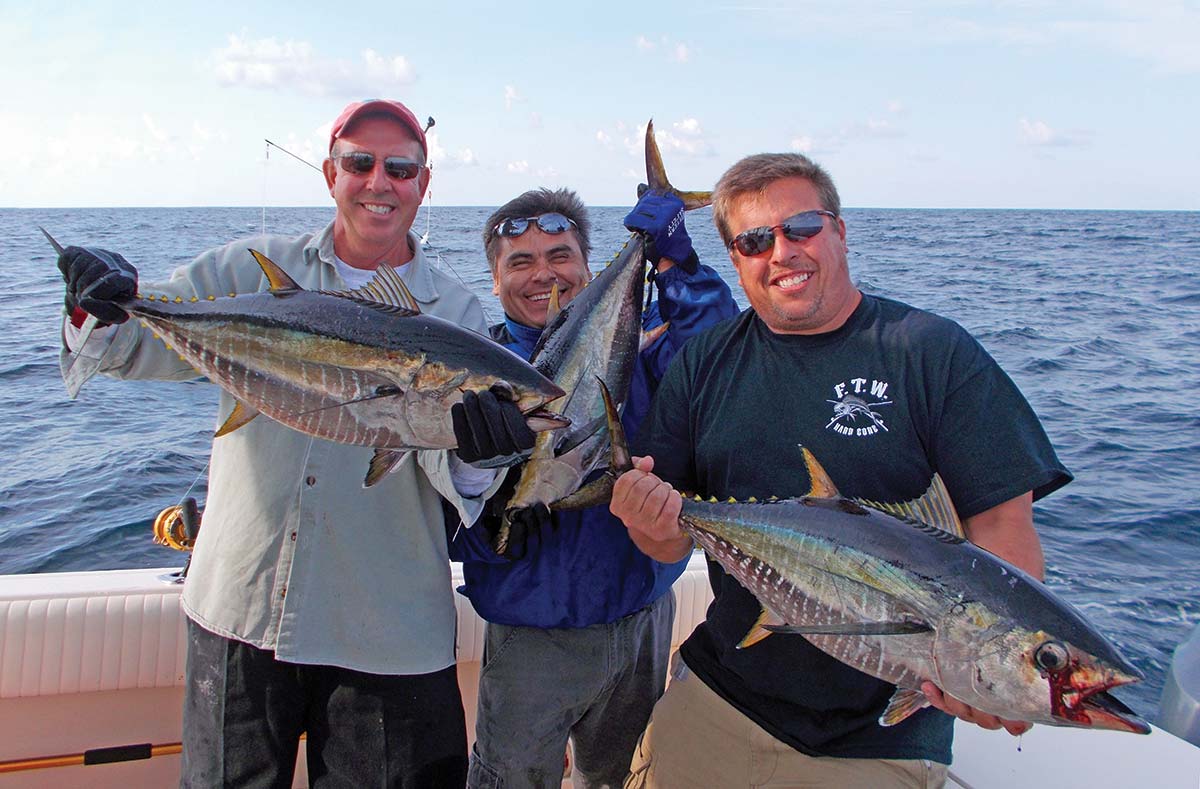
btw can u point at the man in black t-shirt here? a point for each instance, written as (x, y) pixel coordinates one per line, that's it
(884, 395)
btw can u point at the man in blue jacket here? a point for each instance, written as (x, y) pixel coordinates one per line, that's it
(579, 620)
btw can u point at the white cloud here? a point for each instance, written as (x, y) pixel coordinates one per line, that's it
(1039, 133)
(154, 129)
(510, 95)
(604, 139)
(802, 144)
(535, 120)
(271, 64)
(674, 51)
(684, 137)
(394, 70)
(518, 168)
(441, 158)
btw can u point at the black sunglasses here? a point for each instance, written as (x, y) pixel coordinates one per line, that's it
(805, 224)
(552, 223)
(362, 162)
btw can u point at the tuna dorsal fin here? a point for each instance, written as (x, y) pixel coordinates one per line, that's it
(281, 283)
(650, 337)
(904, 702)
(386, 287)
(553, 308)
(656, 176)
(934, 508)
(240, 415)
(822, 485)
(762, 627)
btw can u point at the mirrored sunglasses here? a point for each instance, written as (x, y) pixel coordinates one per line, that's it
(758, 240)
(362, 162)
(552, 223)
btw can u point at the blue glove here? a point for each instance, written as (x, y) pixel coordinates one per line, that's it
(660, 217)
(98, 282)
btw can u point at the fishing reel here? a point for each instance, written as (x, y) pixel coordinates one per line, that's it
(177, 526)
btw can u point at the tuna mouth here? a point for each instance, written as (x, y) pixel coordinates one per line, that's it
(1098, 709)
(540, 419)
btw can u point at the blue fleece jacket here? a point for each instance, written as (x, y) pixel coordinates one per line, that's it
(587, 571)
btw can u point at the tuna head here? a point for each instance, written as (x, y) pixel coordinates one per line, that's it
(1042, 676)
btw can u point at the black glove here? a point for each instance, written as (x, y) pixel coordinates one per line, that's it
(487, 426)
(97, 281)
(527, 528)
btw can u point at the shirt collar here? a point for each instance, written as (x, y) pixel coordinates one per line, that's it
(418, 271)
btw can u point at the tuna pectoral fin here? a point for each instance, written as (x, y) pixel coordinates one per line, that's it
(598, 491)
(381, 463)
(853, 629)
(904, 703)
(240, 415)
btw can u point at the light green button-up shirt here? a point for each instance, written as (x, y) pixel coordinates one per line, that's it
(293, 554)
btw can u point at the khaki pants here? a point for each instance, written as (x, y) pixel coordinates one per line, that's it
(696, 739)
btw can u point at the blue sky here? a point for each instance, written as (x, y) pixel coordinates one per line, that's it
(938, 103)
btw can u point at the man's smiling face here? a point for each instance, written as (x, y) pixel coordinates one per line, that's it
(529, 265)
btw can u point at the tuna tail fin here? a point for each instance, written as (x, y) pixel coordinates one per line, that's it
(76, 368)
(656, 176)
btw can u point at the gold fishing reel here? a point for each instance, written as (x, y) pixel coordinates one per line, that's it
(176, 526)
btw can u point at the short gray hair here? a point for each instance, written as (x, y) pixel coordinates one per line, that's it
(753, 174)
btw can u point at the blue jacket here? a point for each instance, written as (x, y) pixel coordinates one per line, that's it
(587, 571)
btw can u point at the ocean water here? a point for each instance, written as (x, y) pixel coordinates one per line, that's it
(1095, 315)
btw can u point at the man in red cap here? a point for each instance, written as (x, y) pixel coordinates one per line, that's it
(315, 605)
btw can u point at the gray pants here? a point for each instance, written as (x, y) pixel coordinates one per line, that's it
(244, 711)
(595, 684)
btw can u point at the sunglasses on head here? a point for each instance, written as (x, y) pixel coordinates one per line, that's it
(362, 162)
(552, 223)
(805, 224)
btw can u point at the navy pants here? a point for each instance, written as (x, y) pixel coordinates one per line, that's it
(244, 712)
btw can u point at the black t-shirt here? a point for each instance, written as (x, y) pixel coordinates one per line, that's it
(883, 402)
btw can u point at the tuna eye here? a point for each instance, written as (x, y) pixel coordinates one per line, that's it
(503, 391)
(1051, 656)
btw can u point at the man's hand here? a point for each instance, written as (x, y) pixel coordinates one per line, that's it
(487, 426)
(660, 217)
(97, 282)
(650, 509)
(953, 706)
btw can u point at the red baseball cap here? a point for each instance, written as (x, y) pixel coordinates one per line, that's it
(382, 107)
